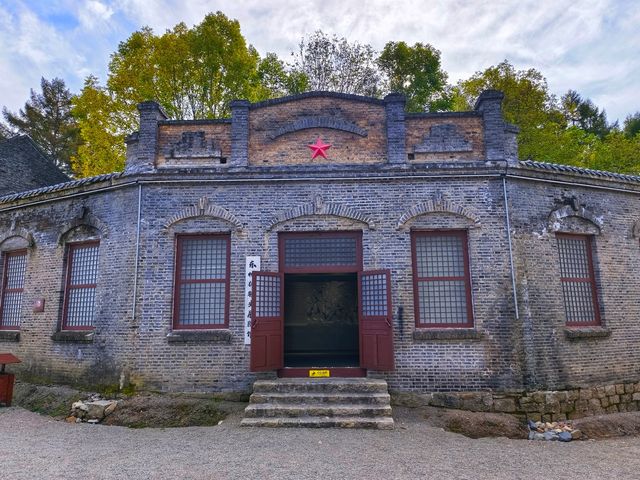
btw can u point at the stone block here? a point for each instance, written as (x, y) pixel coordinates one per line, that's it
(636, 396)
(586, 394)
(610, 390)
(628, 388)
(614, 399)
(476, 401)
(507, 405)
(605, 402)
(620, 389)
(573, 395)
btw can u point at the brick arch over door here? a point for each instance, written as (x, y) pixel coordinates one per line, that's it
(318, 207)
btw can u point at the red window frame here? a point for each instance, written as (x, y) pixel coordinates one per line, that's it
(71, 248)
(591, 280)
(463, 234)
(354, 268)
(5, 282)
(178, 282)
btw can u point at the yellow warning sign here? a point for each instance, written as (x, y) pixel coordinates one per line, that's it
(319, 373)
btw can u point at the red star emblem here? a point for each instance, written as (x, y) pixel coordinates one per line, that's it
(319, 148)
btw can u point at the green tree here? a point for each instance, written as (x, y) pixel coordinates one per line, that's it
(631, 126)
(103, 126)
(583, 113)
(416, 72)
(276, 79)
(46, 118)
(192, 73)
(335, 64)
(527, 104)
(4, 132)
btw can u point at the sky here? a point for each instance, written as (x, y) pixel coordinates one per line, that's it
(592, 46)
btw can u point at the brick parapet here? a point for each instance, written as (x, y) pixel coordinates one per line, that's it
(239, 133)
(394, 105)
(141, 151)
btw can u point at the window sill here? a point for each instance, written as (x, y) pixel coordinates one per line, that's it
(200, 336)
(447, 334)
(73, 336)
(9, 336)
(578, 333)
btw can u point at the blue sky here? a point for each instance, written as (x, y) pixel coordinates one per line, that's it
(591, 46)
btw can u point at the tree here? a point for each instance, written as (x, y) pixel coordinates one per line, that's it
(631, 126)
(416, 72)
(46, 118)
(332, 63)
(192, 73)
(584, 114)
(4, 132)
(276, 79)
(527, 104)
(103, 125)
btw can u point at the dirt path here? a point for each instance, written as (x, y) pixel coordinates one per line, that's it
(34, 446)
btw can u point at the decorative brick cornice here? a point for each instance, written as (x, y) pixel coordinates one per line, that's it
(317, 94)
(319, 122)
(558, 215)
(438, 204)
(204, 209)
(319, 207)
(85, 218)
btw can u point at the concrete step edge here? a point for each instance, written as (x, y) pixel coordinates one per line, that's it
(381, 423)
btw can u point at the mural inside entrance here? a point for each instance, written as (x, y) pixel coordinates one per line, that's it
(321, 319)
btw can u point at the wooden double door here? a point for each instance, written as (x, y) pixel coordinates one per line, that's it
(321, 254)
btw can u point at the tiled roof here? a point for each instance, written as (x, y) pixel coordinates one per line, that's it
(24, 166)
(554, 167)
(60, 186)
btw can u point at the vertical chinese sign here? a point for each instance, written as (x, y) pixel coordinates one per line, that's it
(253, 264)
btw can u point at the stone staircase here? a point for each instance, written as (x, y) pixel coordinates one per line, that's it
(319, 402)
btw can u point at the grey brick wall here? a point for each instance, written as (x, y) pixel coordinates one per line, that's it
(385, 201)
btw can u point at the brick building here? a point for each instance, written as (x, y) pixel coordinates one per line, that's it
(412, 247)
(24, 166)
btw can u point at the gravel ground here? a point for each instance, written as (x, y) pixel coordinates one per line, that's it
(37, 447)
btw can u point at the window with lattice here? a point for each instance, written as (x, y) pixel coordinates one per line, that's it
(442, 286)
(201, 295)
(578, 280)
(80, 286)
(13, 274)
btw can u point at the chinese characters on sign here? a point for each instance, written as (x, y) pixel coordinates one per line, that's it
(253, 264)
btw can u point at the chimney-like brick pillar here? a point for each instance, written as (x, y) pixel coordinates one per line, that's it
(394, 104)
(495, 136)
(239, 133)
(143, 156)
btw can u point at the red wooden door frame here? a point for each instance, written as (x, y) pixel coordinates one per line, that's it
(376, 331)
(267, 332)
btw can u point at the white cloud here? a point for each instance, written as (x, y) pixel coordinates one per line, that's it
(92, 14)
(590, 46)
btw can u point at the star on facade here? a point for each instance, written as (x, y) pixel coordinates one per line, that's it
(319, 148)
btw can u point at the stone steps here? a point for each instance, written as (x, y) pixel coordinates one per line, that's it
(318, 403)
(339, 398)
(379, 423)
